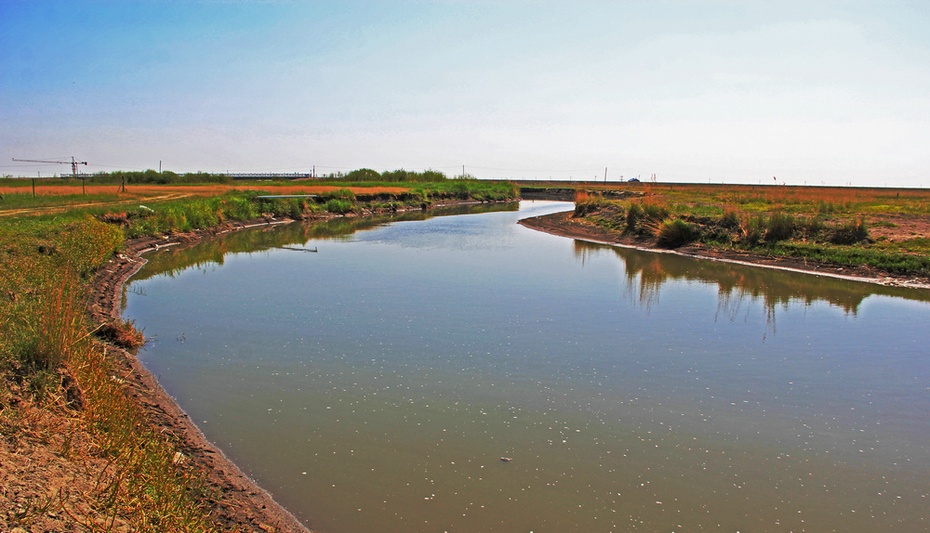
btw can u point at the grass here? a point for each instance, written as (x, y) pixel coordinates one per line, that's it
(26, 199)
(676, 232)
(46, 344)
(831, 225)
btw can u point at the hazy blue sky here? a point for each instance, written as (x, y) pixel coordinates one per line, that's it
(811, 92)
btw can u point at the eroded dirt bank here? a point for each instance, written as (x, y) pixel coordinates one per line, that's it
(565, 225)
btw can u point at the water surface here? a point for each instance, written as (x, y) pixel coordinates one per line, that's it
(375, 385)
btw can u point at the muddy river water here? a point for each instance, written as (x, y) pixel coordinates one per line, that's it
(379, 382)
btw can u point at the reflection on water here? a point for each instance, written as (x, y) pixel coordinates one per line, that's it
(211, 252)
(374, 386)
(646, 273)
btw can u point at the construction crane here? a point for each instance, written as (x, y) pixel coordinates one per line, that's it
(74, 164)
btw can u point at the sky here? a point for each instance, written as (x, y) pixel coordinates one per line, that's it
(807, 92)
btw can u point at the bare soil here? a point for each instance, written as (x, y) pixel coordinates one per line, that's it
(49, 468)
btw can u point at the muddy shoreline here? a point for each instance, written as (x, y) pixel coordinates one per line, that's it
(240, 503)
(565, 225)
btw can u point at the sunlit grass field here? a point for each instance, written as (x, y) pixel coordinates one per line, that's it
(884, 229)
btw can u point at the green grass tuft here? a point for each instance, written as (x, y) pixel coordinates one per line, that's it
(676, 232)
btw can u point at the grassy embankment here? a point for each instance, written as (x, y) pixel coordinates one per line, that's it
(882, 229)
(57, 384)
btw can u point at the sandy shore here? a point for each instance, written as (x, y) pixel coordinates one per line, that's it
(564, 225)
(242, 504)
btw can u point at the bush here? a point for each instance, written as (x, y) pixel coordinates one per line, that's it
(753, 229)
(427, 176)
(850, 233)
(585, 208)
(239, 208)
(655, 212)
(729, 220)
(675, 233)
(342, 194)
(633, 215)
(339, 206)
(86, 243)
(203, 214)
(810, 227)
(779, 227)
(363, 174)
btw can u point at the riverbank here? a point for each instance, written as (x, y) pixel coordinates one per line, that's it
(240, 504)
(566, 225)
(79, 449)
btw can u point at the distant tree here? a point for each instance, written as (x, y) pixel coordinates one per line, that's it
(363, 174)
(432, 176)
(396, 175)
(411, 176)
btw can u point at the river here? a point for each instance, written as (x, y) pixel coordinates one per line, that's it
(464, 373)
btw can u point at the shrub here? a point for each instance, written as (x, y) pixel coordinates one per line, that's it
(753, 229)
(729, 220)
(239, 208)
(655, 212)
(342, 194)
(414, 197)
(202, 214)
(810, 227)
(460, 190)
(633, 215)
(339, 206)
(86, 243)
(122, 333)
(427, 176)
(850, 233)
(779, 227)
(363, 174)
(589, 204)
(675, 233)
